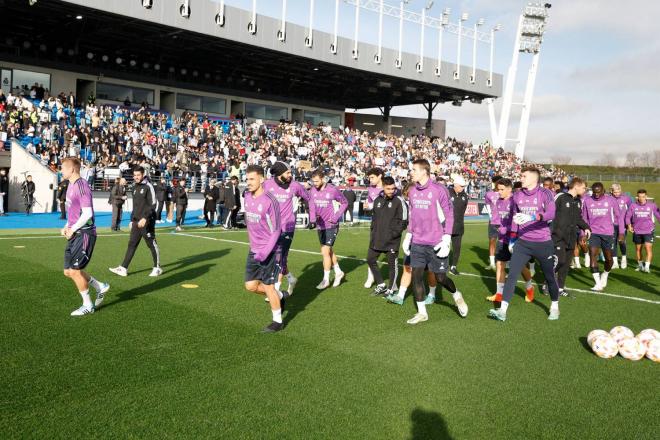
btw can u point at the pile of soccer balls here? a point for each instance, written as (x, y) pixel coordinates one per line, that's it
(621, 340)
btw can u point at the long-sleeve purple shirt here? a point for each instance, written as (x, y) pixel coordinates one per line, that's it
(285, 199)
(503, 217)
(262, 216)
(624, 202)
(372, 194)
(641, 217)
(602, 214)
(431, 213)
(322, 210)
(490, 199)
(537, 201)
(79, 196)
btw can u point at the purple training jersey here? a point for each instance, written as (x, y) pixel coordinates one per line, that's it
(641, 217)
(79, 196)
(624, 202)
(262, 216)
(537, 201)
(491, 198)
(372, 194)
(285, 199)
(602, 214)
(431, 213)
(503, 217)
(322, 210)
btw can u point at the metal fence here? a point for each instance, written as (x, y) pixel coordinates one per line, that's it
(620, 178)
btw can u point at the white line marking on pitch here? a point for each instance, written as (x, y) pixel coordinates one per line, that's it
(613, 295)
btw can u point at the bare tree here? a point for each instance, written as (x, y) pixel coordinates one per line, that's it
(632, 160)
(645, 159)
(560, 159)
(656, 159)
(607, 160)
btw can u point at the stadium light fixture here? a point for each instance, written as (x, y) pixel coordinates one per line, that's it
(399, 60)
(378, 56)
(354, 52)
(79, 17)
(457, 72)
(156, 67)
(133, 63)
(333, 45)
(220, 16)
(473, 76)
(71, 52)
(184, 9)
(489, 81)
(90, 55)
(145, 65)
(43, 47)
(252, 25)
(309, 39)
(147, 4)
(420, 64)
(444, 21)
(281, 33)
(32, 2)
(105, 58)
(118, 60)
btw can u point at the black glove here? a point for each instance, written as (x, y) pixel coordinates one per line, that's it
(311, 225)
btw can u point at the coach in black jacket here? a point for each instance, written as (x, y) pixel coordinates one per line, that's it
(568, 218)
(181, 201)
(388, 221)
(459, 199)
(211, 196)
(61, 197)
(143, 223)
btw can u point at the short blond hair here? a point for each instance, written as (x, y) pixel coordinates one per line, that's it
(74, 161)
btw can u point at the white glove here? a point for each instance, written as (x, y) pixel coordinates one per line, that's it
(521, 219)
(406, 243)
(442, 248)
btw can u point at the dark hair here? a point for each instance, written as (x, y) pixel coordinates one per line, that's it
(233, 178)
(532, 170)
(598, 185)
(375, 172)
(505, 182)
(641, 191)
(139, 169)
(517, 185)
(496, 179)
(561, 184)
(424, 164)
(388, 180)
(548, 179)
(576, 181)
(318, 173)
(255, 169)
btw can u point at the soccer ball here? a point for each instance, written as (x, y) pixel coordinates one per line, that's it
(605, 347)
(646, 336)
(619, 333)
(632, 349)
(653, 350)
(593, 334)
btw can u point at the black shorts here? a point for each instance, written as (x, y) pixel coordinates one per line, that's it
(502, 252)
(283, 246)
(425, 256)
(604, 242)
(266, 271)
(327, 237)
(493, 231)
(79, 249)
(643, 238)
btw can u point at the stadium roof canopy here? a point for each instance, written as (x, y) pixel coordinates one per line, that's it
(226, 59)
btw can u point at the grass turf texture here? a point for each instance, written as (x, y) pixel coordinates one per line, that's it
(161, 361)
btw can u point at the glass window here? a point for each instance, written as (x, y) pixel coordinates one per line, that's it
(267, 112)
(206, 104)
(24, 79)
(213, 105)
(119, 93)
(332, 119)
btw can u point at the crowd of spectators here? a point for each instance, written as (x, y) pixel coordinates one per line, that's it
(196, 147)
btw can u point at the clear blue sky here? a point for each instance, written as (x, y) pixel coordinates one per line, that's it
(598, 86)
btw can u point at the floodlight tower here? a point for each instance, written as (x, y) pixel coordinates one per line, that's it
(531, 27)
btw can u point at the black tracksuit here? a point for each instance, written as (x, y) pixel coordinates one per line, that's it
(61, 197)
(144, 207)
(389, 220)
(568, 218)
(211, 196)
(460, 202)
(161, 196)
(181, 201)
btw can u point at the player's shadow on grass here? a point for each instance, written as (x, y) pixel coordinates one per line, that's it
(585, 343)
(191, 259)
(306, 291)
(173, 276)
(427, 425)
(633, 282)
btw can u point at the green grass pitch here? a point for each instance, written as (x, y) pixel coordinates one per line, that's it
(162, 361)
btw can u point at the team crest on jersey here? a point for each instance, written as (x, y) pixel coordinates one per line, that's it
(536, 202)
(260, 208)
(452, 199)
(327, 196)
(142, 191)
(606, 204)
(288, 190)
(378, 205)
(568, 205)
(389, 205)
(430, 196)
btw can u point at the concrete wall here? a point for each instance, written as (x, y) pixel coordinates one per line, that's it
(398, 125)
(44, 179)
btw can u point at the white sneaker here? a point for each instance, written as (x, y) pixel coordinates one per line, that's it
(615, 265)
(119, 270)
(577, 265)
(155, 272)
(603, 280)
(417, 319)
(323, 284)
(100, 294)
(624, 263)
(178, 229)
(597, 288)
(338, 277)
(82, 310)
(587, 261)
(461, 304)
(370, 280)
(292, 285)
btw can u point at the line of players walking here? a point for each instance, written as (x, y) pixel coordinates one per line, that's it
(529, 224)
